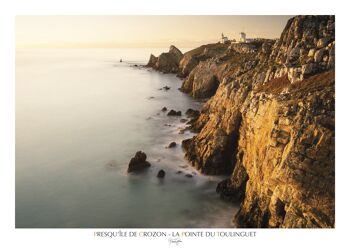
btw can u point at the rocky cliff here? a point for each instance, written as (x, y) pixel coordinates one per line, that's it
(269, 123)
(167, 62)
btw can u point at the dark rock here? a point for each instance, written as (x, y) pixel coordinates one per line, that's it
(233, 189)
(138, 162)
(192, 113)
(152, 61)
(166, 62)
(174, 113)
(164, 109)
(183, 120)
(161, 173)
(189, 175)
(172, 144)
(178, 172)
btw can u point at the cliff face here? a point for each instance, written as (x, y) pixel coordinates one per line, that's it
(286, 147)
(269, 123)
(166, 62)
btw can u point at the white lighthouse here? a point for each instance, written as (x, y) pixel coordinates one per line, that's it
(224, 39)
(243, 38)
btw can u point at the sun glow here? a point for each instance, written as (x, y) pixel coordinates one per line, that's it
(140, 31)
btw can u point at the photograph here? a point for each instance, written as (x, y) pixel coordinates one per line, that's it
(174, 121)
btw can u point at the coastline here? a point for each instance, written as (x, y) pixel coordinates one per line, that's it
(268, 122)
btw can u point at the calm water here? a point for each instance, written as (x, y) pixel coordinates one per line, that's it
(80, 116)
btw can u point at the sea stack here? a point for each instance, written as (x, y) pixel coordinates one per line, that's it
(138, 162)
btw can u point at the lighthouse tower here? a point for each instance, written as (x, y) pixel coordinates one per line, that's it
(224, 39)
(243, 38)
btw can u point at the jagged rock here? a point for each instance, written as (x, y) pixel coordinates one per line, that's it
(203, 80)
(308, 69)
(161, 173)
(176, 52)
(166, 62)
(311, 53)
(319, 55)
(152, 61)
(322, 42)
(187, 63)
(275, 139)
(174, 113)
(294, 74)
(245, 115)
(192, 113)
(233, 189)
(289, 184)
(293, 57)
(138, 162)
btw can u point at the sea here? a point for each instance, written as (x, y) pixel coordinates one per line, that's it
(81, 115)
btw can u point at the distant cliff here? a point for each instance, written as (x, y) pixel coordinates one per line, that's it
(167, 62)
(269, 122)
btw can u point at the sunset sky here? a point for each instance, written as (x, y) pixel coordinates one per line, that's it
(140, 31)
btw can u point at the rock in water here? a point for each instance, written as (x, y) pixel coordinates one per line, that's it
(161, 173)
(164, 109)
(166, 62)
(152, 61)
(172, 145)
(138, 162)
(174, 113)
(192, 113)
(183, 120)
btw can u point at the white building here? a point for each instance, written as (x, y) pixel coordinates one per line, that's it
(243, 37)
(224, 39)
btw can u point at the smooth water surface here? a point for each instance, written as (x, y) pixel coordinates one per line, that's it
(80, 116)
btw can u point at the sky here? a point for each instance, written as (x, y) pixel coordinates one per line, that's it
(140, 31)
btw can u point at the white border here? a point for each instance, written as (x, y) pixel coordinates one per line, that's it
(12, 238)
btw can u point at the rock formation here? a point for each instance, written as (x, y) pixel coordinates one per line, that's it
(174, 113)
(166, 62)
(172, 145)
(269, 123)
(161, 173)
(138, 162)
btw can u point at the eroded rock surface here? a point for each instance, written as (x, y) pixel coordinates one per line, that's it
(167, 62)
(269, 123)
(264, 124)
